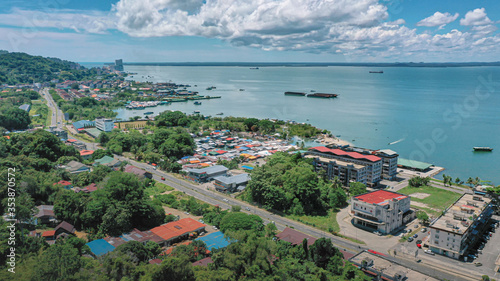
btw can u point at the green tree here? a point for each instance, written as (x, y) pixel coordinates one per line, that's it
(356, 188)
(235, 221)
(422, 216)
(58, 262)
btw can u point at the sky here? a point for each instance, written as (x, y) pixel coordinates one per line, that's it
(253, 30)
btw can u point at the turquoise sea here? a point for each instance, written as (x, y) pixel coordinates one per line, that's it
(435, 115)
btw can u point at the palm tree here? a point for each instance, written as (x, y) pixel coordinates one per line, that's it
(457, 180)
(470, 181)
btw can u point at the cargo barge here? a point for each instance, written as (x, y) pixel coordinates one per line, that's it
(295, 94)
(378, 71)
(322, 95)
(482, 148)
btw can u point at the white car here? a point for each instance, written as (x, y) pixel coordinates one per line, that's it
(429, 252)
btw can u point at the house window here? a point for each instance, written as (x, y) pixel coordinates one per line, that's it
(436, 242)
(436, 236)
(437, 231)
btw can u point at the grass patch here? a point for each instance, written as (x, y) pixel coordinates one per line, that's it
(41, 109)
(326, 223)
(157, 189)
(439, 198)
(430, 212)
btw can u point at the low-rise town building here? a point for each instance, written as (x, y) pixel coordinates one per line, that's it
(381, 210)
(206, 174)
(460, 226)
(75, 167)
(380, 268)
(231, 183)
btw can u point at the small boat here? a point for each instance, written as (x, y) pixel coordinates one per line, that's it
(482, 148)
(220, 113)
(254, 68)
(312, 91)
(197, 102)
(197, 112)
(241, 90)
(148, 113)
(378, 71)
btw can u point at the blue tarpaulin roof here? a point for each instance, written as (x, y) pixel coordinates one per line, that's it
(215, 240)
(100, 247)
(247, 167)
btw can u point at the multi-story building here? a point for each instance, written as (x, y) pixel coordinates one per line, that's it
(105, 125)
(345, 171)
(460, 225)
(381, 210)
(373, 163)
(389, 158)
(389, 163)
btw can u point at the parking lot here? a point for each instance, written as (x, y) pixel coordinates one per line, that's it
(489, 249)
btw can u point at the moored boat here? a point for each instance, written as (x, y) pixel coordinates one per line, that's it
(197, 102)
(295, 94)
(322, 95)
(378, 71)
(482, 148)
(148, 113)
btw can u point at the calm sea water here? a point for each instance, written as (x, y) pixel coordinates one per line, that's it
(435, 115)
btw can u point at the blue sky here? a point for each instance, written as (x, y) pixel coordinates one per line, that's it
(242, 30)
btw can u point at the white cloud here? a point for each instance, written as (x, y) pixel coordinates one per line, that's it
(438, 19)
(87, 22)
(475, 17)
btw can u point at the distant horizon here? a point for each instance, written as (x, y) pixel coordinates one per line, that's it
(305, 64)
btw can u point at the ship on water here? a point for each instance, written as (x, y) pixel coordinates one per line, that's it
(376, 71)
(482, 148)
(197, 102)
(295, 94)
(148, 113)
(322, 95)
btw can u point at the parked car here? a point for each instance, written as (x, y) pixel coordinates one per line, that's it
(424, 229)
(419, 241)
(419, 245)
(429, 252)
(162, 178)
(478, 264)
(415, 235)
(410, 239)
(416, 226)
(378, 233)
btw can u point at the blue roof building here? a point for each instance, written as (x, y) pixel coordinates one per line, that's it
(100, 247)
(215, 240)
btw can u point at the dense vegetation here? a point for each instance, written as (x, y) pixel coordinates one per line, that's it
(87, 108)
(18, 68)
(168, 144)
(198, 123)
(116, 208)
(288, 183)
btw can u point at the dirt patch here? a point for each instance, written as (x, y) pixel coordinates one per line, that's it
(420, 195)
(423, 205)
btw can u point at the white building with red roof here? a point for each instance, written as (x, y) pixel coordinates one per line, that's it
(381, 210)
(372, 163)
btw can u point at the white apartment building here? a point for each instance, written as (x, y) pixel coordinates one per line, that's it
(105, 125)
(381, 210)
(460, 226)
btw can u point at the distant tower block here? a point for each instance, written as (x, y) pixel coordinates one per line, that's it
(119, 65)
